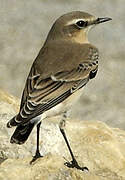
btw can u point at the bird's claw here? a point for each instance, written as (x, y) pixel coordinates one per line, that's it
(74, 164)
(37, 155)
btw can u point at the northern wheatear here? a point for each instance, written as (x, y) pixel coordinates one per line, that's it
(64, 65)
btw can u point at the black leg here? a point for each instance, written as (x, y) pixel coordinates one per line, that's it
(37, 155)
(73, 163)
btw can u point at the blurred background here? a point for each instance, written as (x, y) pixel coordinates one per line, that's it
(24, 26)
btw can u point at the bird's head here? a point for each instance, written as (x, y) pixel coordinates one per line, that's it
(74, 26)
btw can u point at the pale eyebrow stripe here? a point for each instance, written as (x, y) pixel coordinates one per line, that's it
(74, 21)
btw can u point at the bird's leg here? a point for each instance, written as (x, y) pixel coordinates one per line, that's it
(73, 163)
(37, 155)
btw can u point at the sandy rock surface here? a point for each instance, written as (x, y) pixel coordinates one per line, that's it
(95, 145)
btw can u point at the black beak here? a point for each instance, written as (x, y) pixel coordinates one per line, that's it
(101, 20)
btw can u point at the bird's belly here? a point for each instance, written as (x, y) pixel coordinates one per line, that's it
(63, 106)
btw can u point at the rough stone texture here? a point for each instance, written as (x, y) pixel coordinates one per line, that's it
(95, 145)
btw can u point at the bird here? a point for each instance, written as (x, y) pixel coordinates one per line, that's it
(64, 65)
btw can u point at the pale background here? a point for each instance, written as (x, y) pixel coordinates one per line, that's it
(23, 29)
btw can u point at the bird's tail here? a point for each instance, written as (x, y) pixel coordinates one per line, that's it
(22, 133)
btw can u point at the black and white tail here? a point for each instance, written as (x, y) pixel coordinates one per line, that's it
(21, 132)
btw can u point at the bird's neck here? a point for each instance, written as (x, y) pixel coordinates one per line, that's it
(81, 37)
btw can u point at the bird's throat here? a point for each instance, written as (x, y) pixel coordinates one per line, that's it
(81, 37)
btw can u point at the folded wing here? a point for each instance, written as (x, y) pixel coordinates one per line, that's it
(42, 94)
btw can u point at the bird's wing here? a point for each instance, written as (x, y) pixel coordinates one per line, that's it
(81, 72)
(42, 94)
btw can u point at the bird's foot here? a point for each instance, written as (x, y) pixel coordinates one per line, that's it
(37, 155)
(74, 164)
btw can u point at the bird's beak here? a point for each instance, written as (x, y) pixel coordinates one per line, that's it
(101, 20)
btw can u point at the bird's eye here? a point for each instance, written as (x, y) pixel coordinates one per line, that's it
(81, 24)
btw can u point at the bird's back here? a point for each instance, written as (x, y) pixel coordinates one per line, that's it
(57, 56)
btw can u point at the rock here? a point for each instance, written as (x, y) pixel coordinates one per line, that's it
(95, 145)
(9, 100)
(48, 168)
